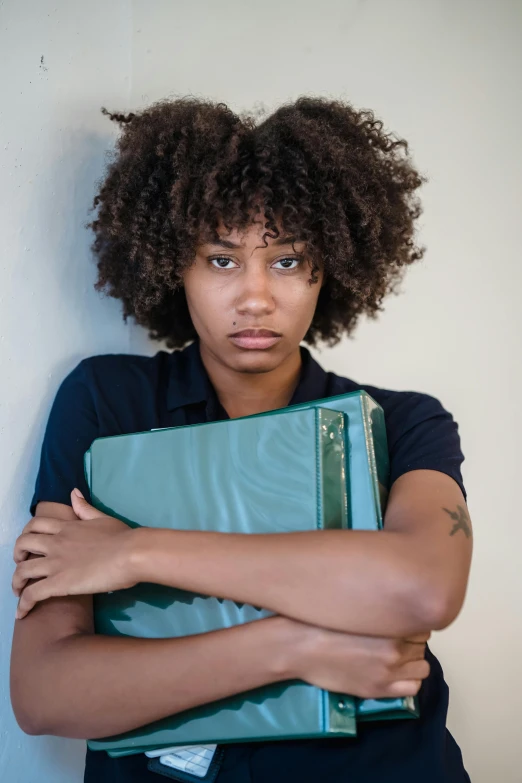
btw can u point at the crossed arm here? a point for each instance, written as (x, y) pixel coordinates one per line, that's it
(409, 578)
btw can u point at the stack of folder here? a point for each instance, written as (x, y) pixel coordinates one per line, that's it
(319, 465)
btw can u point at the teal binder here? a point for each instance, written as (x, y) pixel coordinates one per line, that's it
(201, 477)
(364, 472)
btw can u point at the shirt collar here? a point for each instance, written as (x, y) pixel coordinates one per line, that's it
(188, 379)
(189, 382)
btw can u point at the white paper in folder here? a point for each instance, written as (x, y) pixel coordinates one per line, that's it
(195, 759)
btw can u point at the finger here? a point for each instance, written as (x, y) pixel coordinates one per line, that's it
(29, 569)
(43, 525)
(403, 688)
(82, 509)
(411, 652)
(420, 638)
(37, 543)
(413, 670)
(33, 594)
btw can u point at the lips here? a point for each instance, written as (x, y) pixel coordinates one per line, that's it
(255, 339)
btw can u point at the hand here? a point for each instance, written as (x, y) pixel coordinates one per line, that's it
(366, 666)
(91, 555)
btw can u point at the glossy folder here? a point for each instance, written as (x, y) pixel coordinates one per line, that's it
(319, 465)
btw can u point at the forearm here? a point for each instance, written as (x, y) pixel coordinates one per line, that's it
(361, 582)
(89, 685)
(409, 578)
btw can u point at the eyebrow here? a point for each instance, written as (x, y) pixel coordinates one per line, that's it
(279, 241)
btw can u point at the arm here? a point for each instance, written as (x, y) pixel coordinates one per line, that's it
(408, 578)
(68, 681)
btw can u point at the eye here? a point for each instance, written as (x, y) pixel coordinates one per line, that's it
(288, 261)
(222, 262)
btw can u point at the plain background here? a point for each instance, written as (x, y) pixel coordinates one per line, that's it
(443, 74)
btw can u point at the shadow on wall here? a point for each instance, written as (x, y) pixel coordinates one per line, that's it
(59, 319)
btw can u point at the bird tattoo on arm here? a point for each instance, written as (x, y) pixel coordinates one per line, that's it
(461, 521)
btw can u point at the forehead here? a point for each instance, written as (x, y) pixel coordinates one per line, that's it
(252, 234)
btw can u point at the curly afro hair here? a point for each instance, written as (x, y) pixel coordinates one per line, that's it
(321, 170)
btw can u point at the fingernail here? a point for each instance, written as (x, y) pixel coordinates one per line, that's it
(78, 493)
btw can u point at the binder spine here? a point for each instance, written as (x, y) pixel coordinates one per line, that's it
(338, 710)
(377, 451)
(332, 496)
(318, 470)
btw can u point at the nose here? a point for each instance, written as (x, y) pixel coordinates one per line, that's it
(255, 297)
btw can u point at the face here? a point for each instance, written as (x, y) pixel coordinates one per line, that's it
(251, 305)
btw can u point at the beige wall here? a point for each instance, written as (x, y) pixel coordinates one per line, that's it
(445, 75)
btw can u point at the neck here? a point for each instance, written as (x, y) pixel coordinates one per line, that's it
(245, 394)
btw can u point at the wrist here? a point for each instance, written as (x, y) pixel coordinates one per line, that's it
(140, 556)
(295, 641)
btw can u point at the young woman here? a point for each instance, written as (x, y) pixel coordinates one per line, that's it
(242, 240)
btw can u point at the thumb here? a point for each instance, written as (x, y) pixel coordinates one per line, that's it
(81, 508)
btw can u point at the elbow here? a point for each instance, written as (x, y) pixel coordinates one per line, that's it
(29, 727)
(26, 717)
(39, 719)
(41, 702)
(21, 703)
(34, 723)
(437, 606)
(31, 704)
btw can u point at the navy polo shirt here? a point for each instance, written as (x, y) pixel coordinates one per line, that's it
(114, 394)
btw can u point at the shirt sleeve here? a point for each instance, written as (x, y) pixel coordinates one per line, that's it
(423, 434)
(71, 428)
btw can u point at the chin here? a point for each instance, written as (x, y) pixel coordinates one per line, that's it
(254, 361)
